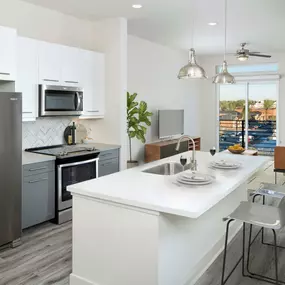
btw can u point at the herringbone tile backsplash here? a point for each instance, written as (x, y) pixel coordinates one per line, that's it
(44, 132)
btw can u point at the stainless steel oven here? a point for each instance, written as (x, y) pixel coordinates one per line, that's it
(60, 101)
(69, 174)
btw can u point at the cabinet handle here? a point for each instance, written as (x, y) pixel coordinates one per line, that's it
(38, 180)
(105, 154)
(27, 112)
(97, 111)
(4, 73)
(108, 163)
(35, 169)
(50, 80)
(71, 81)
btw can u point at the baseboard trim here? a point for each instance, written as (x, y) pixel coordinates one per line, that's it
(76, 280)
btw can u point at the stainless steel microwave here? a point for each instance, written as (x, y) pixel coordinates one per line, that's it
(60, 101)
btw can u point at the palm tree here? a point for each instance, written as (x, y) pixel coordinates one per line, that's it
(267, 105)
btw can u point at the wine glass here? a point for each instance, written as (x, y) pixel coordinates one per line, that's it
(213, 151)
(183, 161)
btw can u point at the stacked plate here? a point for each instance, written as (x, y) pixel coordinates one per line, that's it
(226, 164)
(195, 178)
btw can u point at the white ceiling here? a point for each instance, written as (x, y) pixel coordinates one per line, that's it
(169, 22)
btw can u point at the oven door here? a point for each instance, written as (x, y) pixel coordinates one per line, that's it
(60, 101)
(72, 173)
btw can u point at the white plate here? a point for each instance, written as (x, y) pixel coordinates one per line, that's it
(193, 182)
(203, 179)
(195, 176)
(226, 165)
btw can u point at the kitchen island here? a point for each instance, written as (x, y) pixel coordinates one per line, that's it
(137, 228)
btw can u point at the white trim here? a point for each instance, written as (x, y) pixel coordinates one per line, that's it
(278, 141)
(246, 115)
(267, 77)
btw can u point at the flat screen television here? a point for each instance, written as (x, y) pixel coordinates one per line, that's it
(170, 123)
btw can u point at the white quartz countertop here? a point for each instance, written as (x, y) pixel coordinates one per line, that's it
(29, 158)
(154, 192)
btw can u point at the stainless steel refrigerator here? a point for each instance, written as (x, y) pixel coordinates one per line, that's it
(10, 166)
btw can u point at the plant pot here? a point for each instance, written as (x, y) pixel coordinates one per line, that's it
(131, 164)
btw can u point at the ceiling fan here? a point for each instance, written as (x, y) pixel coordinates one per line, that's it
(243, 54)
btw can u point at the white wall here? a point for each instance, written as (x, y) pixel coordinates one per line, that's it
(109, 37)
(152, 73)
(208, 113)
(44, 24)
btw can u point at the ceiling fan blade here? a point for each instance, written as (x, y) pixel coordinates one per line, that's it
(260, 55)
(255, 52)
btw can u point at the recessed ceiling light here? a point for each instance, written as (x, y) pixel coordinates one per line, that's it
(213, 24)
(137, 6)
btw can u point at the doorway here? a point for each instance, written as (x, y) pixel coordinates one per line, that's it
(248, 115)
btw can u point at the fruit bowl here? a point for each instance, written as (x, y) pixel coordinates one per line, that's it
(236, 151)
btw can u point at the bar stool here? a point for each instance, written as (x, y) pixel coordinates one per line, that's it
(279, 161)
(268, 217)
(269, 190)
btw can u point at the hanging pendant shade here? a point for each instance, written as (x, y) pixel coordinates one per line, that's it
(224, 77)
(192, 70)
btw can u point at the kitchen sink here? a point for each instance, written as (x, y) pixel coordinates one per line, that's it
(170, 168)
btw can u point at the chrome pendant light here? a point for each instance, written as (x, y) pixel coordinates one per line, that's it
(224, 77)
(192, 70)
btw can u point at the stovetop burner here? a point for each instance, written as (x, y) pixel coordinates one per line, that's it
(63, 150)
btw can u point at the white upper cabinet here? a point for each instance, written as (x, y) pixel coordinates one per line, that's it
(50, 62)
(70, 73)
(93, 82)
(8, 39)
(27, 76)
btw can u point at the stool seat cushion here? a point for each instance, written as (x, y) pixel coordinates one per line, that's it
(257, 214)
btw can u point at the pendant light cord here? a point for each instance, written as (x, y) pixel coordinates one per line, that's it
(193, 23)
(225, 51)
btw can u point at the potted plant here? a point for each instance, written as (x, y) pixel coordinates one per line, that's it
(138, 119)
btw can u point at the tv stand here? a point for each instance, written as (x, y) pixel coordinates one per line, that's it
(163, 149)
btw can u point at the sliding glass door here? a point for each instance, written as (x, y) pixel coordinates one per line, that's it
(248, 116)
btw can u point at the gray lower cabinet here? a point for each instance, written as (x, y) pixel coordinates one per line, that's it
(38, 194)
(109, 162)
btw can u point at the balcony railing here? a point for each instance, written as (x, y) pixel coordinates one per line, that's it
(261, 135)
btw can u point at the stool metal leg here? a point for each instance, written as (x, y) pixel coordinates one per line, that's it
(258, 276)
(275, 177)
(276, 257)
(225, 253)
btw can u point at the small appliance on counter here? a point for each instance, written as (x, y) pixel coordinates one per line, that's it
(73, 165)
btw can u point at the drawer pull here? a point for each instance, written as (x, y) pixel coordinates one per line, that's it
(106, 154)
(38, 180)
(70, 81)
(35, 169)
(108, 163)
(51, 80)
(97, 111)
(4, 73)
(27, 112)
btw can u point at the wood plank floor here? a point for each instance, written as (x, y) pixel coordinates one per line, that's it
(261, 261)
(43, 258)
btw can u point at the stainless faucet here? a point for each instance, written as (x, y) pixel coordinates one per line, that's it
(193, 161)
